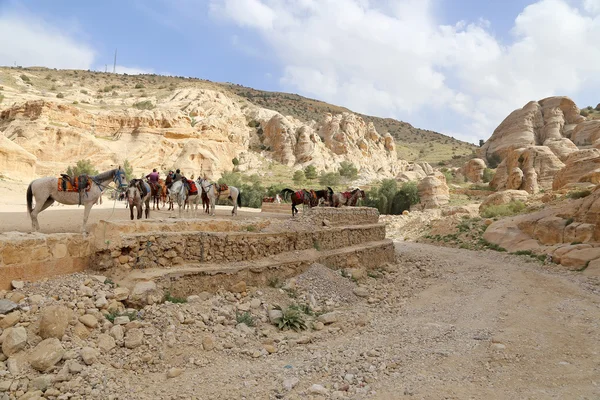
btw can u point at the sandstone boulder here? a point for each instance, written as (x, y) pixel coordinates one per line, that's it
(46, 354)
(54, 322)
(504, 197)
(144, 293)
(15, 340)
(433, 192)
(473, 170)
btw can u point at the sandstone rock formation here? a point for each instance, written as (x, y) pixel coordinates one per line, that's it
(433, 192)
(568, 231)
(473, 170)
(529, 169)
(15, 162)
(581, 166)
(414, 172)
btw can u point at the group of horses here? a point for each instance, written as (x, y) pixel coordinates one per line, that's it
(138, 193)
(326, 197)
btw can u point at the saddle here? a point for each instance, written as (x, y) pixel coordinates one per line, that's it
(347, 195)
(222, 187)
(193, 187)
(79, 184)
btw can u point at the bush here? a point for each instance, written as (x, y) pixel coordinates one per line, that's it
(235, 162)
(25, 78)
(579, 194)
(82, 167)
(244, 318)
(494, 160)
(330, 179)
(144, 105)
(348, 170)
(139, 86)
(310, 172)
(60, 95)
(584, 113)
(503, 210)
(488, 175)
(299, 177)
(128, 170)
(407, 196)
(231, 179)
(291, 319)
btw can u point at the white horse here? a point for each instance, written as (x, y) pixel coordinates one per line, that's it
(45, 191)
(213, 193)
(177, 194)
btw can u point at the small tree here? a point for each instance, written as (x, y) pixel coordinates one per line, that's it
(82, 167)
(128, 170)
(310, 172)
(299, 177)
(481, 142)
(348, 170)
(488, 175)
(235, 161)
(407, 196)
(330, 179)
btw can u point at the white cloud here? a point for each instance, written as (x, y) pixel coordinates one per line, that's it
(120, 69)
(31, 42)
(393, 59)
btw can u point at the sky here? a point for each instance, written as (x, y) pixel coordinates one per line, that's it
(454, 66)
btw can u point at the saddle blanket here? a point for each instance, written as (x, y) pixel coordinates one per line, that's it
(347, 195)
(73, 187)
(193, 187)
(268, 199)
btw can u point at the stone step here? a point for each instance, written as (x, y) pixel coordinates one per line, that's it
(193, 278)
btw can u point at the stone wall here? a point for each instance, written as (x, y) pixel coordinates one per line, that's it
(156, 250)
(343, 216)
(281, 208)
(36, 256)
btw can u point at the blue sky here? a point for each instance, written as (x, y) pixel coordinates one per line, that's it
(455, 66)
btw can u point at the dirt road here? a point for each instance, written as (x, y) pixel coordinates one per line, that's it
(447, 324)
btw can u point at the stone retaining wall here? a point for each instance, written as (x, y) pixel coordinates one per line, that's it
(36, 256)
(156, 250)
(342, 216)
(281, 208)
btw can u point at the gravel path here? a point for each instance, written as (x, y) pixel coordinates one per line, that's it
(447, 323)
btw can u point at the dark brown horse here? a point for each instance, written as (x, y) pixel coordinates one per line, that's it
(155, 194)
(303, 197)
(326, 195)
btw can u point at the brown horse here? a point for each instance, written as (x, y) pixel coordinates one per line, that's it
(303, 197)
(155, 194)
(205, 202)
(163, 191)
(347, 198)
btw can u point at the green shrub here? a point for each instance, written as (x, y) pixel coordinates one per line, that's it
(128, 170)
(144, 105)
(407, 196)
(82, 167)
(330, 178)
(348, 170)
(503, 210)
(299, 177)
(494, 160)
(579, 194)
(139, 86)
(60, 95)
(584, 113)
(235, 161)
(25, 78)
(310, 172)
(175, 300)
(488, 175)
(291, 319)
(244, 318)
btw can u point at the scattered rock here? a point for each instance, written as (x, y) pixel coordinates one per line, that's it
(174, 372)
(54, 322)
(15, 340)
(10, 320)
(89, 320)
(122, 320)
(18, 285)
(239, 287)
(208, 343)
(89, 355)
(41, 382)
(318, 389)
(118, 333)
(290, 383)
(134, 338)
(81, 331)
(121, 293)
(106, 343)
(7, 306)
(361, 291)
(328, 318)
(46, 354)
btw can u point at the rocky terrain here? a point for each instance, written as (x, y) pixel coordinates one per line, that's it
(51, 119)
(435, 323)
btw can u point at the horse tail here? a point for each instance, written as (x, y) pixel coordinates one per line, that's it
(239, 199)
(29, 200)
(285, 193)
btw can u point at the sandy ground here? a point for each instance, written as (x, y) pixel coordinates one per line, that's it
(452, 324)
(60, 218)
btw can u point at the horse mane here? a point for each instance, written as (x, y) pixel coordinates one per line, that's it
(103, 176)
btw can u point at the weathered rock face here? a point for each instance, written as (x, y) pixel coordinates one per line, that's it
(586, 133)
(414, 172)
(527, 169)
(433, 191)
(553, 230)
(532, 125)
(581, 166)
(473, 170)
(15, 162)
(54, 322)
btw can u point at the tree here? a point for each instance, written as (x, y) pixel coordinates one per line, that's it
(128, 170)
(235, 161)
(231, 179)
(348, 170)
(481, 142)
(387, 189)
(407, 196)
(310, 172)
(82, 167)
(330, 179)
(299, 177)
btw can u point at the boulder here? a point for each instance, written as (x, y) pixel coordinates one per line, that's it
(580, 167)
(433, 192)
(7, 306)
(46, 354)
(54, 322)
(503, 197)
(473, 170)
(15, 340)
(145, 293)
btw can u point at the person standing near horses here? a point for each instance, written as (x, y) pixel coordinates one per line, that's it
(153, 178)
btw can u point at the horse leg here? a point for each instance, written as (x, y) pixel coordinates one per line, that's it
(86, 214)
(39, 207)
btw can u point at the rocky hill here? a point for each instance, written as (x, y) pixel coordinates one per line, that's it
(49, 119)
